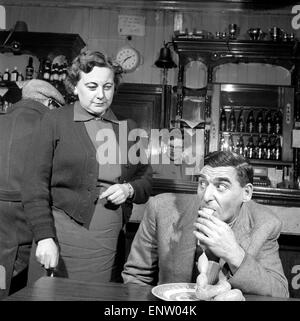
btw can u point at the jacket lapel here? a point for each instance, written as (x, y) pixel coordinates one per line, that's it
(186, 246)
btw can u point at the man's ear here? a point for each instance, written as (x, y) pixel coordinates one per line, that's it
(247, 192)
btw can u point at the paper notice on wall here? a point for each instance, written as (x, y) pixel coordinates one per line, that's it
(129, 25)
(2, 18)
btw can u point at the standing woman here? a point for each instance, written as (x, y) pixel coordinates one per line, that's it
(75, 204)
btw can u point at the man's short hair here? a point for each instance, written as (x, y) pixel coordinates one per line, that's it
(226, 158)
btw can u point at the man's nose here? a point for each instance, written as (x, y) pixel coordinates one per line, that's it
(208, 194)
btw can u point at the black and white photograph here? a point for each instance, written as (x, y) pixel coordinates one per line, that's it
(150, 154)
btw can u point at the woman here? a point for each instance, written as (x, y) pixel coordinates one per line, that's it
(76, 204)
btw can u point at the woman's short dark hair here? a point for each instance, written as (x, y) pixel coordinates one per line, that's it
(226, 158)
(85, 62)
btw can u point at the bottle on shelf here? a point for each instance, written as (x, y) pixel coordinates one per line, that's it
(264, 149)
(20, 77)
(47, 70)
(29, 69)
(278, 149)
(250, 148)
(14, 74)
(55, 73)
(231, 144)
(278, 123)
(260, 122)
(223, 121)
(6, 75)
(269, 148)
(232, 121)
(241, 122)
(259, 148)
(250, 122)
(64, 71)
(240, 146)
(222, 143)
(268, 122)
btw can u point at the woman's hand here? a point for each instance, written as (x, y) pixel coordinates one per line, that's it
(117, 193)
(47, 253)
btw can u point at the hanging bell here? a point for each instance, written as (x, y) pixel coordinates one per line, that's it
(165, 59)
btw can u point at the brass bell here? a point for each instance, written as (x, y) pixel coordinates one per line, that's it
(165, 59)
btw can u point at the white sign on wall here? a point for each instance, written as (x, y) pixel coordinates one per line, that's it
(2, 18)
(129, 25)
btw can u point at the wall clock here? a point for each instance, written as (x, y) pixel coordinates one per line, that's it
(128, 58)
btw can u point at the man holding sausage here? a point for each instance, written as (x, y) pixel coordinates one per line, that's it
(240, 236)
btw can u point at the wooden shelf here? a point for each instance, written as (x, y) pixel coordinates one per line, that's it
(41, 44)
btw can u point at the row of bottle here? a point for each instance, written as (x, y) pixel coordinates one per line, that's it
(15, 75)
(264, 148)
(52, 72)
(47, 71)
(271, 123)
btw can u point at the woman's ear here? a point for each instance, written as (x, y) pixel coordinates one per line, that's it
(75, 91)
(247, 192)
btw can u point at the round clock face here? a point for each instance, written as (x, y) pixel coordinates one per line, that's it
(128, 58)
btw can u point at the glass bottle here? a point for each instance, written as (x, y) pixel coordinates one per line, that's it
(222, 143)
(250, 148)
(231, 144)
(269, 149)
(55, 72)
(260, 122)
(269, 125)
(259, 148)
(20, 77)
(6, 75)
(240, 145)
(241, 122)
(278, 123)
(47, 70)
(231, 122)
(29, 69)
(250, 123)
(14, 74)
(278, 149)
(223, 121)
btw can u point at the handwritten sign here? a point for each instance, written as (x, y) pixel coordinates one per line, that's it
(129, 25)
(2, 18)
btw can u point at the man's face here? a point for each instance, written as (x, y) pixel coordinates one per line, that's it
(95, 90)
(220, 190)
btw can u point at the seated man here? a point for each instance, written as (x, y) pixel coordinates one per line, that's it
(240, 235)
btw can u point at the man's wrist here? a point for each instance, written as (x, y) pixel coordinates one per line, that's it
(235, 262)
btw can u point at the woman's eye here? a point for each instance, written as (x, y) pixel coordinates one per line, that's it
(92, 87)
(107, 87)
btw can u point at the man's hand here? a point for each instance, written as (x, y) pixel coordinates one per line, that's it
(47, 253)
(219, 238)
(117, 193)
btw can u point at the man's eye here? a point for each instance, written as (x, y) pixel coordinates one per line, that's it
(202, 184)
(222, 187)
